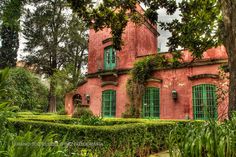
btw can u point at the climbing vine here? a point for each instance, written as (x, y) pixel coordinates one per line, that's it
(141, 72)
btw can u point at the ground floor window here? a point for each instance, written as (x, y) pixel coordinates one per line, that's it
(151, 103)
(109, 103)
(204, 101)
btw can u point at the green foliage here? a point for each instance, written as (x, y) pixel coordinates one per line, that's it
(210, 139)
(92, 120)
(25, 90)
(81, 111)
(135, 138)
(11, 12)
(115, 14)
(199, 26)
(56, 40)
(141, 72)
(30, 144)
(3, 77)
(144, 68)
(86, 117)
(9, 48)
(27, 143)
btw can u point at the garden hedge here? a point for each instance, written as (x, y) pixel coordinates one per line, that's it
(136, 137)
(118, 140)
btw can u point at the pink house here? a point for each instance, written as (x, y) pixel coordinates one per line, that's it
(183, 92)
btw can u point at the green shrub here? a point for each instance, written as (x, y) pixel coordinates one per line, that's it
(91, 120)
(25, 90)
(210, 139)
(81, 111)
(136, 138)
(62, 111)
(86, 117)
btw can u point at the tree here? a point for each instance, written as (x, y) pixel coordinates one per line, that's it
(229, 40)
(25, 90)
(9, 32)
(52, 39)
(204, 24)
(70, 75)
(115, 14)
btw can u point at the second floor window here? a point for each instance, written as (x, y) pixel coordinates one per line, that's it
(109, 58)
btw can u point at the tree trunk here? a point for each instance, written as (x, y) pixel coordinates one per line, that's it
(52, 98)
(229, 40)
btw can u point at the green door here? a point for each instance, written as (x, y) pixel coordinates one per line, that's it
(151, 103)
(109, 58)
(109, 103)
(204, 101)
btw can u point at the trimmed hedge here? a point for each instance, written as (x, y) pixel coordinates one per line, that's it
(133, 139)
(107, 121)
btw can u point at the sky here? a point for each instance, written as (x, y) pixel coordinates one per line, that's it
(164, 35)
(163, 17)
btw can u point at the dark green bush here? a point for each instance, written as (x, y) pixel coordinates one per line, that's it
(117, 137)
(81, 111)
(25, 90)
(137, 138)
(209, 139)
(86, 117)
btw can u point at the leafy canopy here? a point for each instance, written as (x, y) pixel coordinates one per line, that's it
(197, 30)
(25, 90)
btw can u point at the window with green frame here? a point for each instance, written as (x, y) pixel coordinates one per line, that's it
(204, 101)
(109, 58)
(109, 103)
(151, 103)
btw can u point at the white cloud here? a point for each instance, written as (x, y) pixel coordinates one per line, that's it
(163, 17)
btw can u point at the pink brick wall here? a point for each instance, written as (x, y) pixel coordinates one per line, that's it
(172, 79)
(178, 80)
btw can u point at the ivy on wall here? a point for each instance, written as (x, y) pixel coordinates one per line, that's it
(141, 72)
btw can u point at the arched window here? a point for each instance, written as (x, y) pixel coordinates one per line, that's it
(204, 101)
(151, 103)
(109, 58)
(109, 103)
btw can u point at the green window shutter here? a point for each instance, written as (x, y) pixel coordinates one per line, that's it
(109, 58)
(151, 103)
(109, 103)
(204, 101)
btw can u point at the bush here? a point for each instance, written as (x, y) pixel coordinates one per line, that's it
(137, 138)
(32, 144)
(81, 111)
(25, 90)
(210, 139)
(86, 117)
(92, 120)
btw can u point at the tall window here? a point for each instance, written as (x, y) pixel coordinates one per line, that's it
(204, 101)
(109, 103)
(151, 103)
(109, 58)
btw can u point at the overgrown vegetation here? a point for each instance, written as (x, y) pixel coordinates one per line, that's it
(82, 111)
(86, 117)
(210, 139)
(29, 142)
(141, 72)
